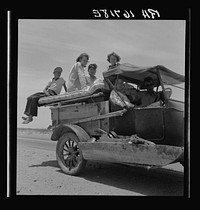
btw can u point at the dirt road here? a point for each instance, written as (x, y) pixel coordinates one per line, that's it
(39, 174)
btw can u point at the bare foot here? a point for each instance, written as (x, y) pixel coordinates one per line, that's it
(28, 120)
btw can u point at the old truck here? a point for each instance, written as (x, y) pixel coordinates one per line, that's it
(88, 125)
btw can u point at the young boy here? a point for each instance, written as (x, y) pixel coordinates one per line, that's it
(53, 88)
(92, 69)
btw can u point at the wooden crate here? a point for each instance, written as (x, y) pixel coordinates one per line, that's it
(71, 114)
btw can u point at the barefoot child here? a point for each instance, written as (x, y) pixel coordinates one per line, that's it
(53, 88)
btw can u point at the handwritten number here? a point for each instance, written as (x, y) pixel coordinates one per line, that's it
(112, 13)
(116, 12)
(153, 13)
(96, 13)
(132, 14)
(149, 13)
(145, 14)
(105, 12)
(127, 15)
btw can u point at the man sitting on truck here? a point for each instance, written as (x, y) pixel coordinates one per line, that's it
(149, 96)
(140, 98)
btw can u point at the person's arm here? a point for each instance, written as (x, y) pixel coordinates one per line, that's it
(46, 92)
(81, 75)
(137, 100)
(160, 96)
(88, 82)
(45, 89)
(65, 87)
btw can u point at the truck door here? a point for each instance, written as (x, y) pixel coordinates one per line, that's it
(149, 123)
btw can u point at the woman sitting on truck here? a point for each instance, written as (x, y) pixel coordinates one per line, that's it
(77, 78)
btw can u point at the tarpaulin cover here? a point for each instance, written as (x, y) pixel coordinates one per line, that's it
(136, 74)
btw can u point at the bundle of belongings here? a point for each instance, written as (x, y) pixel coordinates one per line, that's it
(98, 85)
(120, 99)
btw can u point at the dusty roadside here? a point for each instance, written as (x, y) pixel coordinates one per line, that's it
(34, 133)
(39, 174)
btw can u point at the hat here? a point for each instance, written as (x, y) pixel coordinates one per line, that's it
(57, 69)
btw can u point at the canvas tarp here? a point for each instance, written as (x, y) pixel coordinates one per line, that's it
(136, 74)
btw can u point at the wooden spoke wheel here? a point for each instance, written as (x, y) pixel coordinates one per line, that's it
(69, 155)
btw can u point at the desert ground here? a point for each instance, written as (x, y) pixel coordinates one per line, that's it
(39, 174)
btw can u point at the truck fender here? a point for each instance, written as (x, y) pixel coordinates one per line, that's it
(65, 128)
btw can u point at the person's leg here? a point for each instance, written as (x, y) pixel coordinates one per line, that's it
(28, 104)
(34, 103)
(32, 106)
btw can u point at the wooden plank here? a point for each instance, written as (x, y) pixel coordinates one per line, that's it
(119, 152)
(92, 126)
(88, 116)
(82, 98)
(104, 123)
(68, 105)
(99, 117)
(61, 102)
(54, 116)
(78, 111)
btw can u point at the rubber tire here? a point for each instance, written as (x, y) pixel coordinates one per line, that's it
(59, 149)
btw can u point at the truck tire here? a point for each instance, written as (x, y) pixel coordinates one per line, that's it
(69, 155)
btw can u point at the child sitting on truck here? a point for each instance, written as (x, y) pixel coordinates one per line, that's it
(91, 78)
(113, 59)
(53, 88)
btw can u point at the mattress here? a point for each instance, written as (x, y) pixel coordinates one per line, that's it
(98, 85)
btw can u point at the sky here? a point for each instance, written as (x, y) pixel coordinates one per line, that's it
(45, 44)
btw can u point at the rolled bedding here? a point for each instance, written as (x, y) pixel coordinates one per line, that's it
(89, 90)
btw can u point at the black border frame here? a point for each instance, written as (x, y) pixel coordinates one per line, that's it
(171, 13)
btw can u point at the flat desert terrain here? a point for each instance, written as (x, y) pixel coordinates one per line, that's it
(39, 174)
